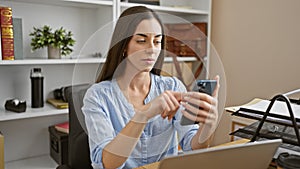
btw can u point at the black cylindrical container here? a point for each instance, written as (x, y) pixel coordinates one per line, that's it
(288, 161)
(37, 88)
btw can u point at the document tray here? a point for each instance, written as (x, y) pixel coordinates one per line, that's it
(271, 131)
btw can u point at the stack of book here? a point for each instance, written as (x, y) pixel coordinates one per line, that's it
(11, 43)
(62, 127)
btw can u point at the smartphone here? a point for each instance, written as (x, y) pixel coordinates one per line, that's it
(203, 86)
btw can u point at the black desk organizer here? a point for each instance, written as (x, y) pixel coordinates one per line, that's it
(272, 126)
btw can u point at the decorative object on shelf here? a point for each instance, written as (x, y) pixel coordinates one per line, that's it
(37, 88)
(187, 39)
(7, 34)
(18, 38)
(60, 93)
(54, 52)
(61, 40)
(15, 105)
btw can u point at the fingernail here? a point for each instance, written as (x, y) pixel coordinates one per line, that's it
(186, 98)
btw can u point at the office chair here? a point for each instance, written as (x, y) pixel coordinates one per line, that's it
(78, 148)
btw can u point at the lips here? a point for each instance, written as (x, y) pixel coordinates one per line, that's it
(149, 59)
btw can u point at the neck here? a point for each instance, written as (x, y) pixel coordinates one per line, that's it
(140, 81)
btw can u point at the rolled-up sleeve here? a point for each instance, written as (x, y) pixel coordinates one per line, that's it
(99, 127)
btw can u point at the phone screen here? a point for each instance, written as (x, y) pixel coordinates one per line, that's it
(203, 86)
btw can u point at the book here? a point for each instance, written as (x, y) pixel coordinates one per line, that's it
(7, 38)
(62, 127)
(18, 38)
(0, 46)
(59, 104)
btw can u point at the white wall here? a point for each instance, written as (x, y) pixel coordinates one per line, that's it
(258, 42)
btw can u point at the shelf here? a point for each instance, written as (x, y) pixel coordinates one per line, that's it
(44, 161)
(168, 9)
(76, 3)
(47, 110)
(181, 59)
(52, 61)
(95, 2)
(75, 61)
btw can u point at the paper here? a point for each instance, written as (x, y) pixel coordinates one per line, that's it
(236, 108)
(279, 108)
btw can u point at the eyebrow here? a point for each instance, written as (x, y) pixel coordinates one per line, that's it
(144, 35)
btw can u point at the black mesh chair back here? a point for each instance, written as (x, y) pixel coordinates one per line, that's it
(78, 147)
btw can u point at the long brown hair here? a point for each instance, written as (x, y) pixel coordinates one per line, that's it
(124, 30)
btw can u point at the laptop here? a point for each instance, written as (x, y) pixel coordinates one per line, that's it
(252, 155)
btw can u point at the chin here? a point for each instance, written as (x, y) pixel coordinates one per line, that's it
(146, 69)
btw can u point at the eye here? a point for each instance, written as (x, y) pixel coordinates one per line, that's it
(141, 41)
(157, 41)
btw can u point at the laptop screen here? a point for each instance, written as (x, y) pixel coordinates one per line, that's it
(252, 155)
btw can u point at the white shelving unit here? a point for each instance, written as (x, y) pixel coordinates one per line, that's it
(75, 61)
(169, 9)
(52, 61)
(26, 134)
(47, 110)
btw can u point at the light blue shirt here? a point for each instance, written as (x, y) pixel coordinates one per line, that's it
(107, 112)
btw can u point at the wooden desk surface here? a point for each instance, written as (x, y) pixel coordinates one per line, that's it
(155, 165)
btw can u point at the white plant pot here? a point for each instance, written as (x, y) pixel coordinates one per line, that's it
(53, 52)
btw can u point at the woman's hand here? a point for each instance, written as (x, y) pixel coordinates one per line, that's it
(166, 104)
(201, 107)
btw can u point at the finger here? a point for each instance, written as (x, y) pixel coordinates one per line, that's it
(164, 114)
(168, 104)
(199, 96)
(173, 101)
(178, 95)
(211, 119)
(192, 117)
(216, 91)
(171, 115)
(164, 106)
(198, 103)
(195, 111)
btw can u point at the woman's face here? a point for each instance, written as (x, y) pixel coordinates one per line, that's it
(145, 45)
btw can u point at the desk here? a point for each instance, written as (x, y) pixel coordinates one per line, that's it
(156, 164)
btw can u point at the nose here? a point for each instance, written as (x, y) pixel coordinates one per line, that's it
(151, 48)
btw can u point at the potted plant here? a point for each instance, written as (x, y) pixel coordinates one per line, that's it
(59, 41)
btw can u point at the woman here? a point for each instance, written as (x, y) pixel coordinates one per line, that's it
(133, 113)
